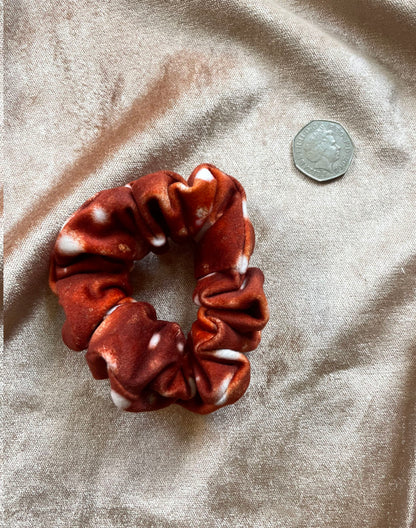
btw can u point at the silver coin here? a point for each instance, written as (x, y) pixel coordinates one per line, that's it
(323, 150)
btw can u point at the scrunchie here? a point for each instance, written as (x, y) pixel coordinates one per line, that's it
(149, 362)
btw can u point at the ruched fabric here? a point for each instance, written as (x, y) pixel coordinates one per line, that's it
(149, 362)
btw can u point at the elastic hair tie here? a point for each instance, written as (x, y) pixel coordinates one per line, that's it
(149, 362)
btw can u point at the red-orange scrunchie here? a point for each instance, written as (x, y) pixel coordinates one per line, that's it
(150, 363)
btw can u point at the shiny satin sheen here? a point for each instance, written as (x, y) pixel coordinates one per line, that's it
(98, 93)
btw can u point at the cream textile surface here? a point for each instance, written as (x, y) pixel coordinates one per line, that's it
(98, 93)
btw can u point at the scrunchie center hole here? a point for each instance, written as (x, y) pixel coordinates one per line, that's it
(167, 282)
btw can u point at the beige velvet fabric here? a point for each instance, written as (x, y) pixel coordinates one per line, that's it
(99, 92)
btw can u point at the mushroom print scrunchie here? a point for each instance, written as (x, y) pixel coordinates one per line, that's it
(149, 362)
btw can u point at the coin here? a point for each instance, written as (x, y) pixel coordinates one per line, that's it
(323, 150)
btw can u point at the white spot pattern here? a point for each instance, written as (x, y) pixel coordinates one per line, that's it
(99, 215)
(245, 212)
(154, 341)
(242, 264)
(68, 245)
(204, 174)
(226, 353)
(109, 360)
(158, 241)
(201, 214)
(119, 401)
(183, 186)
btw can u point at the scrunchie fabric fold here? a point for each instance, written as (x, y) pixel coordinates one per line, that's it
(150, 363)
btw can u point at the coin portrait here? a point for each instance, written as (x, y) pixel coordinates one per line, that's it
(322, 150)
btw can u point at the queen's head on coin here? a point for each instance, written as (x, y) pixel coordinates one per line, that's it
(321, 148)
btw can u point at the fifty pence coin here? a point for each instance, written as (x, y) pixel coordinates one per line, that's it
(323, 150)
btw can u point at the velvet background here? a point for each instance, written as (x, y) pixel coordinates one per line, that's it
(100, 92)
